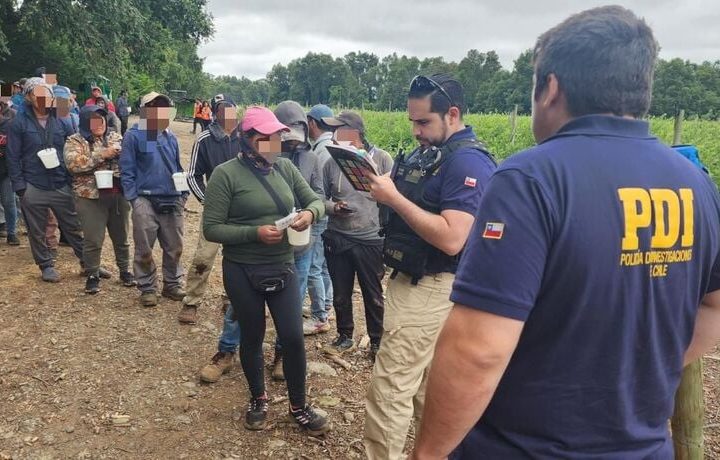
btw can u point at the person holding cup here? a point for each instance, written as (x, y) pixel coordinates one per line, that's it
(154, 183)
(38, 174)
(247, 201)
(91, 157)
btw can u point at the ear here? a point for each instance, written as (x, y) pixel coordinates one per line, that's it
(551, 95)
(454, 115)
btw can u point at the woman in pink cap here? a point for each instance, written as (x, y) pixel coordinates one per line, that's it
(245, 197)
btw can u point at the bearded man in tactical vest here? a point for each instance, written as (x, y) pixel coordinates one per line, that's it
(429, 203)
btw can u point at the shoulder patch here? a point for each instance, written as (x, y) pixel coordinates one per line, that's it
(494, 230)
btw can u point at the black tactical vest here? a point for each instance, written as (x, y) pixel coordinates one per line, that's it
(404, 251)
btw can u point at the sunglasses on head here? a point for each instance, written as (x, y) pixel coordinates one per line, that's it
(423, 82)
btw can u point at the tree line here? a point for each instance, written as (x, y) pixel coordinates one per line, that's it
(144, 45)
(363, 80)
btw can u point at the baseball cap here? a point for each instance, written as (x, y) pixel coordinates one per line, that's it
(320, 111)
(61, 92)
(221, 100)
(146, 99)
(262, 120)
(95, 87)
(346, 118)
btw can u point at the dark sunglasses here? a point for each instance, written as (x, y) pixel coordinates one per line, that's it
(423, 82)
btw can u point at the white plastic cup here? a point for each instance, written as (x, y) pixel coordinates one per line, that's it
(49, 158)
(296, 238)
(180, 179)
(104, 179)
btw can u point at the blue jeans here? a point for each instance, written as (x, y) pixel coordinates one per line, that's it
(230, 337)
(7, 195)
(302, 266)
(319, 285)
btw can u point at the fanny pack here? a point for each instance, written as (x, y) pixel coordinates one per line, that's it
(166, 204)
(270, 279)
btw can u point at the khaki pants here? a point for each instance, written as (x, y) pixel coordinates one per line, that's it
(414, 316)
(202, 264)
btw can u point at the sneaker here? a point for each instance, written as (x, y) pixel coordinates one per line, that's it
(188, 314)
(104, 273)
(310, 421)
(127, 279)
(314, 326)
(341, 344)
(13, 240)
(219, 364)
(148, 299)
(174, 293)
(50, 275)
(374, 348)
(256, 415)
(92, 285)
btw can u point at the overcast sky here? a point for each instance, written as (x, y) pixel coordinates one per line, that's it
(253, 35)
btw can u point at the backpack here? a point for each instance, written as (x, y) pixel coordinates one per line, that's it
(691, 153)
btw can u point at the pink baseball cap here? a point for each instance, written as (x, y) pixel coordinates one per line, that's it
(262, 120)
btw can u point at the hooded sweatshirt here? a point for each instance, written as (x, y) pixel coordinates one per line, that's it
(291, 114)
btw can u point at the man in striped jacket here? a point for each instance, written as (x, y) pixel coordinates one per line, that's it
(212, 147)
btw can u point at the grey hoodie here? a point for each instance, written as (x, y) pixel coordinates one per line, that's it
(364, 223)
(290, 113)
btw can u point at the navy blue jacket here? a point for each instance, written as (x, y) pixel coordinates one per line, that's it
(25, 139)
(143, 171)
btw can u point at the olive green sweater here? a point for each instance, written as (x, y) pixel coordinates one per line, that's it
(236, 204)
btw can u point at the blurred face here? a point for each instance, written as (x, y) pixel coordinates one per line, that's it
(97, 125)
(41, 99)
(429, 128)
(16, 89)
(100, 103)
(269, 147)
(96, 92)
(157, 118)
(227, 117)
(345, 135)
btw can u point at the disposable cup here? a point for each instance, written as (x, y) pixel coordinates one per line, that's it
(180, 179)
(104, 179)
(298, 238)
(49, 158)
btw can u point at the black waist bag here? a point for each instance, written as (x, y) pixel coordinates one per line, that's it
(166, 205)
(269, 279)
(406, 253)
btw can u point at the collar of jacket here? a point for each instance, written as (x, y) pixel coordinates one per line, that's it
(219, 133)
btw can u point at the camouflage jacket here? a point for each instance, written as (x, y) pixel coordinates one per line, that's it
(83, 159)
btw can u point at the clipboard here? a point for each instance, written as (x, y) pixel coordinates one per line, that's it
(353, 166)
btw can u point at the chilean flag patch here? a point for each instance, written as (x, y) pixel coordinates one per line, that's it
(494, 230)
(470, 181)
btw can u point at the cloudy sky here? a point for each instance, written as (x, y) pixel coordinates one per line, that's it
(252, 35)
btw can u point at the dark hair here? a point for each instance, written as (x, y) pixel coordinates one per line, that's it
(321, 124)
(604, 60)
(451, 95)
